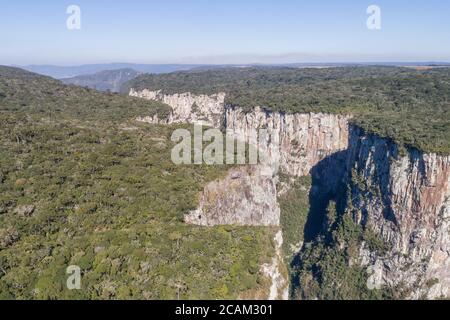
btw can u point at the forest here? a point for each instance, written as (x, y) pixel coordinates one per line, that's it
(83, 183)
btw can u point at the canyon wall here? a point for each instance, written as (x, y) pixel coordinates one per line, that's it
(303, 140)
(207, 110)
(246, 197)
(403, 198)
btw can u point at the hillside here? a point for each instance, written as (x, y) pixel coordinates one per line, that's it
(410, 106)
(108, 80)
(25, 92)
(82, 183)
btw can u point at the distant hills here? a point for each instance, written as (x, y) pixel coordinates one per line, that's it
(63, 72)
(108, 80)
(36, 95)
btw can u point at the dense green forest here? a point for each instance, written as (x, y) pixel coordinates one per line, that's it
(82, 183)
(408, 105)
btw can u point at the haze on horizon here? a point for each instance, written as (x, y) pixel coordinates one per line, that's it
(225, 32)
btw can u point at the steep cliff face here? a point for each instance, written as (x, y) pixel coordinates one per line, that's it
(246, 197)
(304, 139)
(206, 110)
(405, 201)
(276, 271)
(402, 199)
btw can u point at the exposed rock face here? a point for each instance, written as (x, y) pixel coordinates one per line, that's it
(186, 107)
(25, 211)
(304, 139)
(296, 142)
(246, 197)
(405, 200)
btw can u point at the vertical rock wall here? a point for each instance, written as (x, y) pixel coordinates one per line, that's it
(405, 200)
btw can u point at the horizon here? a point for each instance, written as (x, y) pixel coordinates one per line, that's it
(254, 64)
(199, 32)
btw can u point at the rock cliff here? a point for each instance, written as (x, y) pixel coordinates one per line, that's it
(276, 271)
(402, 197)
(304, 139)
(247, 196)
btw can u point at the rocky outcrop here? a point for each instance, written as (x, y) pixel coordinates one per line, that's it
(25, 211)
(295, 142)
(246, 197)
(404, 199)
(207, 110)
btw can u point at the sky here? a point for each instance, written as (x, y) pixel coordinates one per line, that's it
(223, 31)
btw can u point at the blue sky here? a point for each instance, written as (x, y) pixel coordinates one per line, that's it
(223, 31)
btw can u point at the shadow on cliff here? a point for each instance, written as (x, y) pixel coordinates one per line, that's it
(328, 185)
(329, 178)
(332, 177)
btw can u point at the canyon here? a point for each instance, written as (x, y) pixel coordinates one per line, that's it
(401, 195)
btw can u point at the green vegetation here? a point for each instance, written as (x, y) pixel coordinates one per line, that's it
(82, 183)
(32, 94)
(325, 267)
(294, 205)
(410, 106)
(328, 266)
